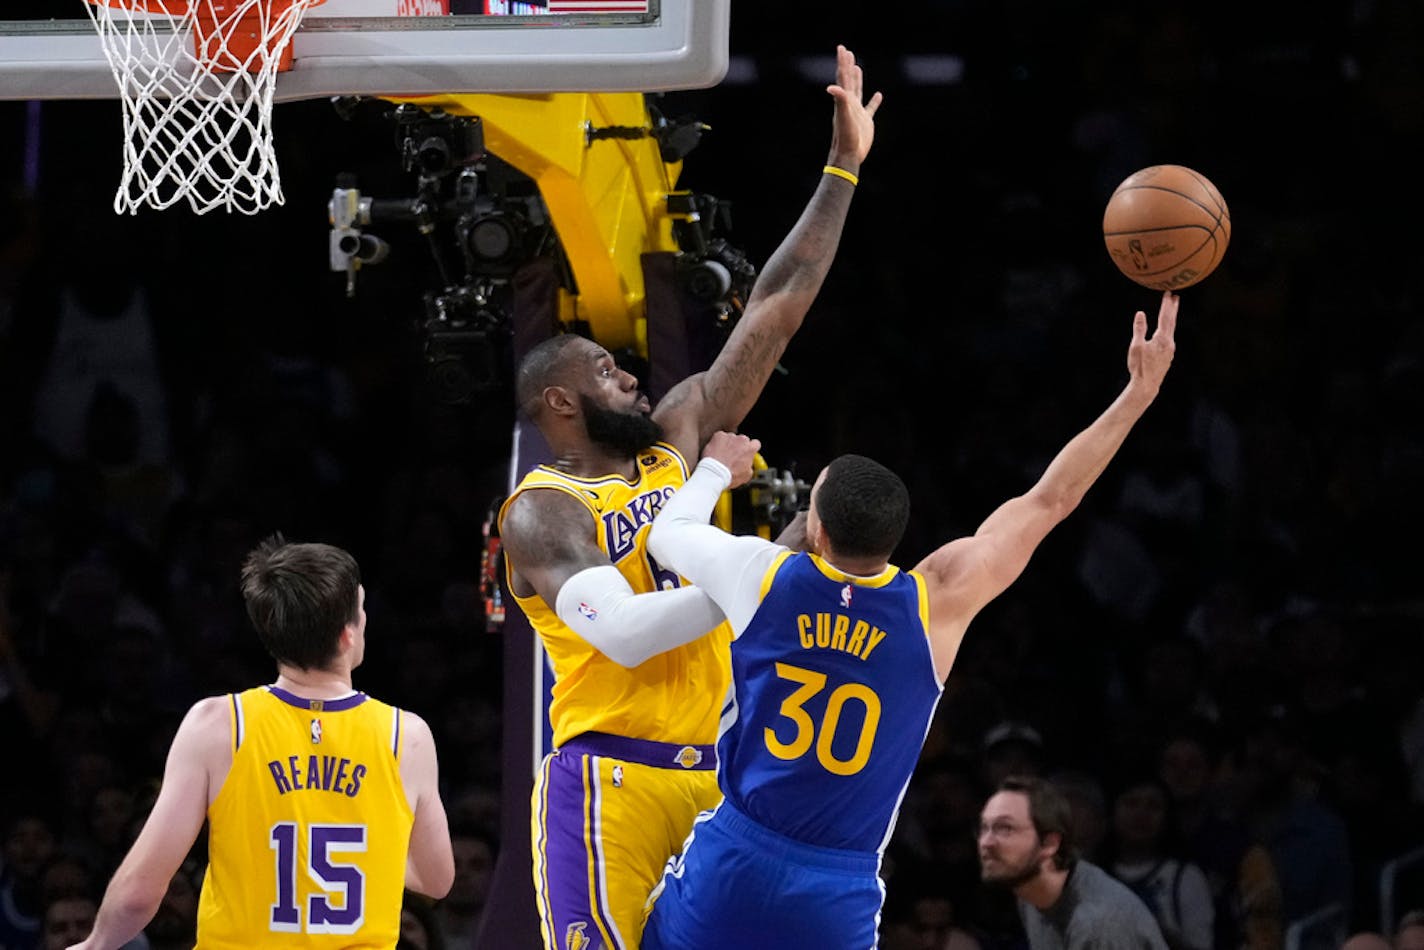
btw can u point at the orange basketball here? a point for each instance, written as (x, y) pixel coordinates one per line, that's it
(1166, 227)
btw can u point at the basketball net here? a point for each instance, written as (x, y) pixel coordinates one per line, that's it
(196, 79)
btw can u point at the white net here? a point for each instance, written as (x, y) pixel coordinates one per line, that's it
(196, 80)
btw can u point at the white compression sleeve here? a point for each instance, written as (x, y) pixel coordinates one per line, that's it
(728, 567)
(627, 627)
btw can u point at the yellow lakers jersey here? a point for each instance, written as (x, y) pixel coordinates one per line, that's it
(673, 697)
(307, 838)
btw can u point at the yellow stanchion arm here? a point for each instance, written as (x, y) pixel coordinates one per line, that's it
(607, 194)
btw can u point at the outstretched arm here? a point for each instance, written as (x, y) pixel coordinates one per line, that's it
(966, 574)
(721, 397)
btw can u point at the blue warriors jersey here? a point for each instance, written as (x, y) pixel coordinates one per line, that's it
(835, 689)
(675, 696)
(308, 835)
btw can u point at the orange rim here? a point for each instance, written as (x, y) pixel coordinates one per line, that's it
(173, 7)
(225, 42)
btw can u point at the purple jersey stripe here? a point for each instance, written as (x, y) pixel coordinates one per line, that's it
(318, 705)
(567, 840)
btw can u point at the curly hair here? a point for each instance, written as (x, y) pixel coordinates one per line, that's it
(863, 507)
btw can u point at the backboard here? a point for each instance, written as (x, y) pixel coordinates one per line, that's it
(416, 47)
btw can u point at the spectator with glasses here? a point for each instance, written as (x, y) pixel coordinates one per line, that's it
(1065, 902)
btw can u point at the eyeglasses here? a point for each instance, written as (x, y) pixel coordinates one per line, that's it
(1001, 829)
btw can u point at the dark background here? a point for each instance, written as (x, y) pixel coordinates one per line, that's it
(1251, 556)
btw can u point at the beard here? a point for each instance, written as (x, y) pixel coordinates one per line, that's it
(1011, 877)
(627, 433)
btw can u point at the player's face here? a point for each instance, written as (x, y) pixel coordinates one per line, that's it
(1010, 850)
(616, 415)
(607, 386)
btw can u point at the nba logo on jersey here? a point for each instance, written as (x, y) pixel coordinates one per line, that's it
(315, 731)
(617, 776)
(845, 596)
(587, 611)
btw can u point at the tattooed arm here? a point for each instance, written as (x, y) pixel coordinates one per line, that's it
(721, 397)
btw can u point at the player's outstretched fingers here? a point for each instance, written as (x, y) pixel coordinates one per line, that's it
(1167, 317)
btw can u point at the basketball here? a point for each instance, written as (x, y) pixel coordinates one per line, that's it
(1166, 227)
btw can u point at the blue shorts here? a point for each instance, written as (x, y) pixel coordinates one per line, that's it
(738, 884)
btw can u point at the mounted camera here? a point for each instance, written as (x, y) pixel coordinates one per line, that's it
(482, 221)
(710, 270)
(466, 343)
(432, 142)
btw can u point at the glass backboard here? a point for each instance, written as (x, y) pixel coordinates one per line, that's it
(416, 47)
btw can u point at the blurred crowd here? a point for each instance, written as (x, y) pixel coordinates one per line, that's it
(1218, 657)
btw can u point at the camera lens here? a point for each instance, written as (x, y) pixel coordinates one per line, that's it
(492, 238)
(707, 281)
(433, 155)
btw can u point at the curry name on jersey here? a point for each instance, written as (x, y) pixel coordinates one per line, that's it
(835, 689)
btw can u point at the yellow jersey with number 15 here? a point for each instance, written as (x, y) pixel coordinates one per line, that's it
(308, 836)
(673, 697)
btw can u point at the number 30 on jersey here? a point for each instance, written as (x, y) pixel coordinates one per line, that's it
(793, 708)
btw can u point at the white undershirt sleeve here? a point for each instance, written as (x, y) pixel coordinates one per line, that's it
(627, 627)
(728, 567)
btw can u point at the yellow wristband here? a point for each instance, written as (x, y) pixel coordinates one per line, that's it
(841, 173)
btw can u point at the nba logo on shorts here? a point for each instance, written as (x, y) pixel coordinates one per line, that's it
(315, 731)
(845, 596)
